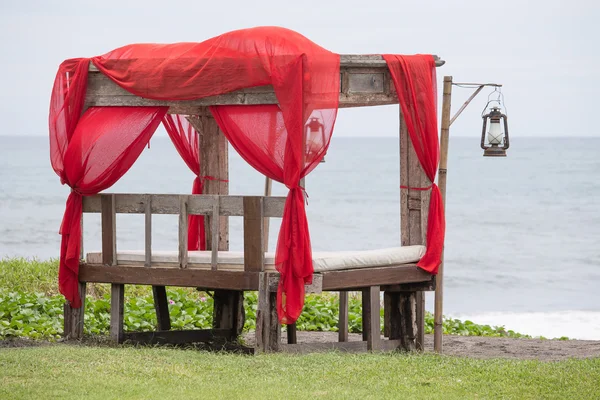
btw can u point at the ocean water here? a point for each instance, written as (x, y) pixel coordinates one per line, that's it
(523, 233)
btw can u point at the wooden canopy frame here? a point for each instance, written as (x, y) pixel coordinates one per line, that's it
(365, 81)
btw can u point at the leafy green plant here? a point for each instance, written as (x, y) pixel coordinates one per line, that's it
(38, 316)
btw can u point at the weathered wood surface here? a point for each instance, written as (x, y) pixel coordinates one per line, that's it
(230, 312)
(403, 319)
(359, 278)
(439, 284)
(161, 306)
(292, 337)
(117, 303)
(176, 337)
(169, 277)
(73, 317)
(316, 287)
(254, 256)
(263, 313)
(343, 318)
(183, 232)
(127, 203)
(109, 229)
(364, 81)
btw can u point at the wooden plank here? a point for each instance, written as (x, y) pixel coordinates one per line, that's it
(104, 92)
(169, 204)
(349, 347)
(230, 312)
(263, 313)
(274, 339)
(316, 287)
(366, 83)
(358, 278)
(411, 287)
(109, 230)
(74, 317)
(148, 232)
(183, 232)
(253, 235)
(215, 234)
(230, 280)
(117, 301)
(343, 318)
(420, 321)
(268, 189)
(374, 337)
(161, 307)
(175, 337)
(366, 313)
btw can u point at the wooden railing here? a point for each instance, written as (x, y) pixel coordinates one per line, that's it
(253, 208)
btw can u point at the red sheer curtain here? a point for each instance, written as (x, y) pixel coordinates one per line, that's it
(305, 78)
(415, 82)
(185, 139)
(105, 144)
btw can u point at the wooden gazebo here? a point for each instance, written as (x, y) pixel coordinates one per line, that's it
(365, 80)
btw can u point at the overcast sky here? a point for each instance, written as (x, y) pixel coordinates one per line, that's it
(543, 52)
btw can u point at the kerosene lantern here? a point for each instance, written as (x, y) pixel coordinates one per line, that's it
(497, 137)
(315, 138)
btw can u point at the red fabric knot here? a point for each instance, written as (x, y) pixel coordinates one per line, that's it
(416, 188)
(305, 193)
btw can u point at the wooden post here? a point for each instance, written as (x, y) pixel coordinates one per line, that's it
(228, 310)
(414, 211)
(74, 317)
(266, 223)
(439, 281)
(343, 318)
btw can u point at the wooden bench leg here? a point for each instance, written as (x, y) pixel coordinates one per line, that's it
(117, 300)
(274, 325)
(343, 318)
(262, 313)
(420, 321)
(161, 305)
(291, 332)
(371, 318)
(229, 311)
(74, 317)
(403, 319)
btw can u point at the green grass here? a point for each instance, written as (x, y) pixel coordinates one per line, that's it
(64, 371)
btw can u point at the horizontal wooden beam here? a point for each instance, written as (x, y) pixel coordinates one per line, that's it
(123, 274)
(365, 277)
(364, 81)
(176, 337)
(170, 204)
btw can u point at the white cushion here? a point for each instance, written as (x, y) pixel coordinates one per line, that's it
(234, 260)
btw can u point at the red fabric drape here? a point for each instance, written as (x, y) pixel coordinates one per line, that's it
(185, 139)
(105, 144)
(305, 78)
(415, 81)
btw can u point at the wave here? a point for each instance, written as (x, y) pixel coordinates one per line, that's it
(574, 324)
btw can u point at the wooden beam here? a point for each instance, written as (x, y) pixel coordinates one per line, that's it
(74, 317)
(364, 75)
(128, 203)
(155, 276)
(176, 337)
(358, 278)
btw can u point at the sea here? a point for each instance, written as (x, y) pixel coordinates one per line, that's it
(523, 232)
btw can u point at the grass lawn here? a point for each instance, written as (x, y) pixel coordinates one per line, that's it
(70, 371)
